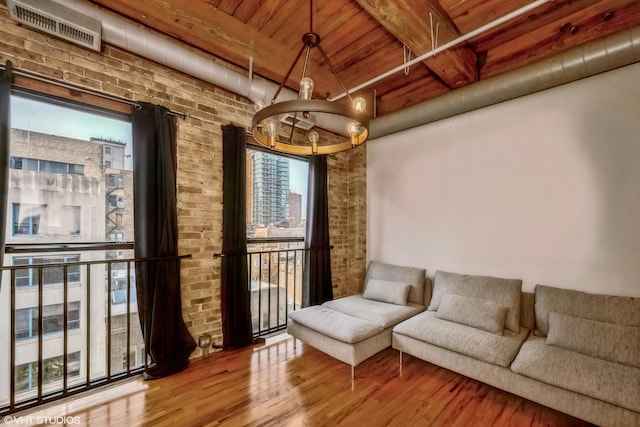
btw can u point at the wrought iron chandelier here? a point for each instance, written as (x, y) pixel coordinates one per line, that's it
(288, 126)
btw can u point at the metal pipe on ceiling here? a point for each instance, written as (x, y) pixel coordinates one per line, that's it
(611, 52)
(478, 31)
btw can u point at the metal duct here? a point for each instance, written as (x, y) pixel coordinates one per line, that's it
(126, 34)
(602, 55)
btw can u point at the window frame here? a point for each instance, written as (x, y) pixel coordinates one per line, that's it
(38, 90)
(253, 145)
(33, 324)
(31, 274)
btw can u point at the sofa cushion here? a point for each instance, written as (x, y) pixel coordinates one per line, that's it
(485, 346)
(415, 277)
(380, 313)
(474, 312)
(608, 341)
(603, 308)
(505, 292)
(600, 379)
(335, 324)
(387, 291)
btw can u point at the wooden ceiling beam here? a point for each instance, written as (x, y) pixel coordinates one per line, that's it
(471, 15)
(409, 22)
(582, 26)
(212, 30)
(410, 93)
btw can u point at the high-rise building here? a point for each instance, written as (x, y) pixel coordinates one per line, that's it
(249, 186)
(295, 209)
(270, 190)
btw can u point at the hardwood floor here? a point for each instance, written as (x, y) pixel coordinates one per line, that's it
(280, 384)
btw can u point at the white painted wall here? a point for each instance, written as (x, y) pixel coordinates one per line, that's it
(545, 188)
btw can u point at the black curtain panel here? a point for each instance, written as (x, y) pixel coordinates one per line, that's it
(5, 130)
(168, 343)
(318, 286)
(235, 295)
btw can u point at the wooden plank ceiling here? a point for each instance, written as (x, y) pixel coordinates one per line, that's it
(365, 38)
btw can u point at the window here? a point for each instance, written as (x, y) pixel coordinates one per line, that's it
(52, 370)
(27, 324)
(116, 181)
(26, 219)
(50, 275)
(34, 220)
(53, 167)
(276, 195)
(58, 202)
(38, 165)
(115, 201)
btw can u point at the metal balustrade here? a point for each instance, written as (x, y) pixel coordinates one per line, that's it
(275, 282)
(67, 327)
(276, 267)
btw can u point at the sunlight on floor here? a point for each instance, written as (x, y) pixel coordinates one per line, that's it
(127, 402)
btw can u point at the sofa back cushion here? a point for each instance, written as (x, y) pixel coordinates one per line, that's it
(527, 313)
(387, 291)
(603, 308)
(505, 292)
(477, 313)
(607, 341)
(414, 277)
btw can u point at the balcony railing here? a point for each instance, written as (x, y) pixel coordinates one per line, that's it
(70, 326)
(276, 268)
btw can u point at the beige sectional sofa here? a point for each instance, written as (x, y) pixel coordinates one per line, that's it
(354, 328)
(575, 352)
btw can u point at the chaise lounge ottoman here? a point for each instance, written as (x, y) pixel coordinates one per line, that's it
(354, 328)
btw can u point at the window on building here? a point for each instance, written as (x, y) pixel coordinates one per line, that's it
(38, 165)
(115, 201)
(50, 275)
(52, 371)
(26, 219)
(27, 323)
(35, 220)
(116, 181)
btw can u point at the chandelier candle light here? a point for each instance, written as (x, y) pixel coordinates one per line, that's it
(302, 112)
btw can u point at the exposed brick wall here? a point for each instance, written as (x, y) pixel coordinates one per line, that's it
(120, 73)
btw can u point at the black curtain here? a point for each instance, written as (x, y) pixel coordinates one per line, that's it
(168, 343)
(318, 286)
(235, 295)
(5, 131)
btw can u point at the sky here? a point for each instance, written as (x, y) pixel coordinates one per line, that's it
(298, 175)
(51, 119)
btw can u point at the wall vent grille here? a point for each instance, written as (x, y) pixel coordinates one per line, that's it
(58, 20)
(300, 122)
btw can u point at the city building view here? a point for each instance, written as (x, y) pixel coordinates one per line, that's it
(276, 187)
(66, 192)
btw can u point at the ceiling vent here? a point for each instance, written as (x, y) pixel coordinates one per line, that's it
(300, 122)
(56, 19)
